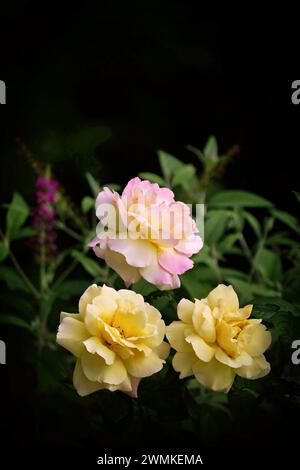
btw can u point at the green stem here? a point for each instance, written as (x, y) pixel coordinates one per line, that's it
(69, 231)
(65, 274)
(25, 278)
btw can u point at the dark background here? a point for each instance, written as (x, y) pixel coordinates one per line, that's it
(160, 74)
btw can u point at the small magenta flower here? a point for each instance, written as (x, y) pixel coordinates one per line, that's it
(43, 214)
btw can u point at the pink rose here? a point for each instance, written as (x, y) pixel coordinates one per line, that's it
(145, 233)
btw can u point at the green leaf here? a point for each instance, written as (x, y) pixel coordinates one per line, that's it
(210, 150)
(269, 264)
(297, 195)
(184, 175)
(228, 242)
(143, 287)
(215, 226)
(153, 178)
(4, 250)
(17, 213)
(94, 186)
(247, 290)
(72, 288)
(253, 222)
(12, 279)
(194, 286)
(236, 198)
(169, 164)
(88, 264)
(15, 321)
(87, 203)
(25, 232)
(287, 219)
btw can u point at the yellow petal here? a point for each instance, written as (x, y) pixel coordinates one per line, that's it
(71, 334)
(259, 368)
(95, 369)
(95, 346)
(175, 333)
(226, 337)
(185, 310)
(91, 319)
(82, 385)
(76, 316)
(183, 362)
(239, 315)
(106, 306)
(143, 366)
(255, 338)
(202, 350)
(242, 359)
(223, 297)
(204, 322)
(87, 298)
(214, 375)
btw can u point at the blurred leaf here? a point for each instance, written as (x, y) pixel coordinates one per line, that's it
(84, 141)
(25, 232)
(14, 321)
(12, 279)
(169, 165)
(17, 213)
(281, 238)
(194, 286)
(248, 290)
(228, 242)
(297, 195)
(269, 264)
(4, 250)
(210, 150)
(236, 198)
(87, 203)
(143, 287)
(94, 186)
(215, 226)
(153, 178)
(287, 219)
(88, 264)
(184, 175)
(72, 288)
(114, 186)
(253, 222)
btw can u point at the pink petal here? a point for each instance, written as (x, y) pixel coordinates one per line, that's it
(190, 245)
(173, 262)
(155, 274)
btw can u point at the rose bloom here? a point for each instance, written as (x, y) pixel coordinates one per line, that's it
(148, 234)
(117, 339)
(215, 340)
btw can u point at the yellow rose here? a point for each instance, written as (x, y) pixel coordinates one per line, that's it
(215, 340)
(117, 339)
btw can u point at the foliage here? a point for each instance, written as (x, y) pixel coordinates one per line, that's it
(248, 243)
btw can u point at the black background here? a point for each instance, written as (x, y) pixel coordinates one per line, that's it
(160, 74)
